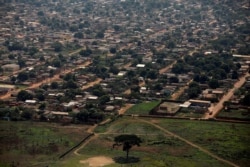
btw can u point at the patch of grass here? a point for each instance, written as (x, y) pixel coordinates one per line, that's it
(240, 114)
(142, 108)
(34, 143)
(188, 113)
(227, 140)
(157, 150)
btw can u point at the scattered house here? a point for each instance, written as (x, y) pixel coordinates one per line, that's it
(140, 65)
(92, 98)
(143, 90)
(121, 73)
(10, 67)
(185, 104)
(109, 108)
(167, 108)
(200, 103)
(212, 94)
(30, 102)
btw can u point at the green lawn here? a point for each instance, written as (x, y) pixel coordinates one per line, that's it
(143, 108)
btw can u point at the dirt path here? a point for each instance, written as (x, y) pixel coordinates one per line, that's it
(125, 108)
(178, 93)
(90, 84)
(189, 143)
(169, 134)
(181, 90)
(90, 130)
(165, 69)
(160, 128)
(219, 106)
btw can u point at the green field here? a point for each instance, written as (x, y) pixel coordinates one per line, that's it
(34, 143)
(239, 114)
(166, 143)
(227, 140)
(143, 108)
(160, 148)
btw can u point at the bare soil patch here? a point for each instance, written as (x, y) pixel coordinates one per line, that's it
(98, 161)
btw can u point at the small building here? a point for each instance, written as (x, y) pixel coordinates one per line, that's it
(30, 101)
(140, 65)
(167, 108)
(109, 108)
(200, 103)
(10, 67)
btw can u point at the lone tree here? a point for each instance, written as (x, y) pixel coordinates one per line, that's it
(128, 141)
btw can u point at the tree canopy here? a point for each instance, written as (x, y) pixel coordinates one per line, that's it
(128, 141)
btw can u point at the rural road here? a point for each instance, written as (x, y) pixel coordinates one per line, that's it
(219, 106)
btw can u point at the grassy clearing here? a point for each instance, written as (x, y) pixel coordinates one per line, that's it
(188, 113)
(142, 108)
(157, 150)
(227, 140)
(240, 114)
(35, 144)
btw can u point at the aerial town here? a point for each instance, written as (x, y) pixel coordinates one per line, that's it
(82, 81)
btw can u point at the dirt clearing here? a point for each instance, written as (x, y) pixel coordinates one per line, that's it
(98, 161)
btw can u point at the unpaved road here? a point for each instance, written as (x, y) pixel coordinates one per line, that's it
(90, 84)
(165, 69)
(54, 78)
(219, 106)
(125, 108)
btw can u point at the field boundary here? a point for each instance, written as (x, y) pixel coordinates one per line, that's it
(82, 141)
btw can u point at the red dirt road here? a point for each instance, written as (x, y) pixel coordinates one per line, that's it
(47, 80)
(219, 106)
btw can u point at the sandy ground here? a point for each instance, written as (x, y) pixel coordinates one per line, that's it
(98, 161)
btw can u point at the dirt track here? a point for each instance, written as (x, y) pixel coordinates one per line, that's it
(219, 106)
(54, 78)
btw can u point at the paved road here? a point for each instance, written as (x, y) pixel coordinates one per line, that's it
(219, 106)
